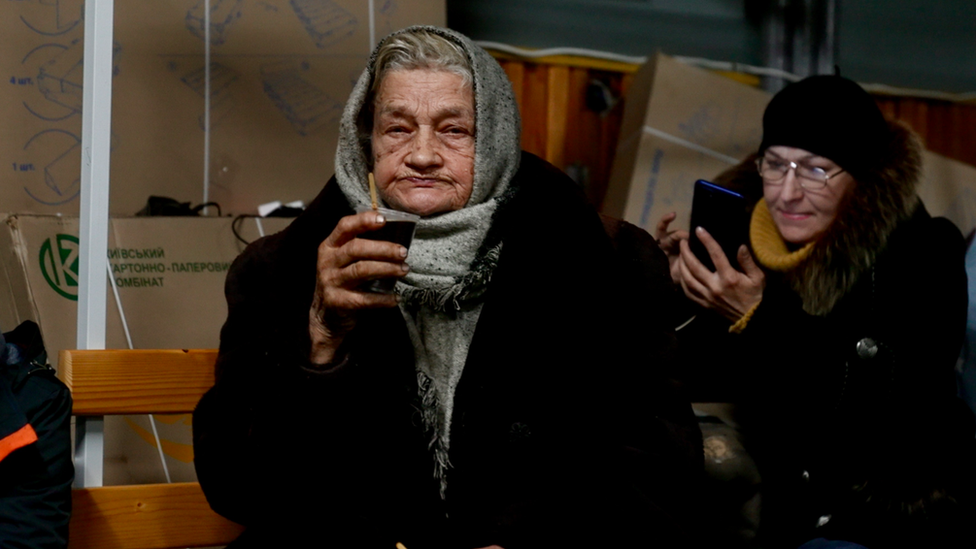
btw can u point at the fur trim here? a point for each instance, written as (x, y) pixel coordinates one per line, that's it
(880, 201)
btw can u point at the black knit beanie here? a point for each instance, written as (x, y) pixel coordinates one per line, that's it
(829, 116)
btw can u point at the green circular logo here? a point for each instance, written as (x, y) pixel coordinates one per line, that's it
(59, 264)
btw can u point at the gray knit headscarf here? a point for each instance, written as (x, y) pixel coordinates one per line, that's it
(450, 261)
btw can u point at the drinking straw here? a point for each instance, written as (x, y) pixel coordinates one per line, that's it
(372, 194)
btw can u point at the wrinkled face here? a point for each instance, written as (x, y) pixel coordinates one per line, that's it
(423, 141)
(802, 215)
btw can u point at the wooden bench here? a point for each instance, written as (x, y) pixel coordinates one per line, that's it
(152, 516)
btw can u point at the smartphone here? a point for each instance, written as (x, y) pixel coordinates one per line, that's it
(725, 215)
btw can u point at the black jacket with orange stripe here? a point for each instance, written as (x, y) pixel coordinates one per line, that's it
(36, 470)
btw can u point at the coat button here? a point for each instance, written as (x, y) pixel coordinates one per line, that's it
(518, 432)
(867, 348)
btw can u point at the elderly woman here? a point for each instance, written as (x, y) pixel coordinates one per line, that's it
(845, 327)
(498, 398)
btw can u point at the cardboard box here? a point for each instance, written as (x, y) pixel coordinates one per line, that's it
(280, 70)
(169, 273)
(680, 124)
(948, 189)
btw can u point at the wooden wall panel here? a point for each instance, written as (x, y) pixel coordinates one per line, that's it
(577, 141)
(557, 111)
(938, 118)
(534, 116)
(558, 125)
(968, 130)
(946, 128)
(516, 74)
(953, 121)
(610, 133)
(581, 149)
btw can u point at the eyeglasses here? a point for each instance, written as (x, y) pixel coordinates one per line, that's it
(773, 171)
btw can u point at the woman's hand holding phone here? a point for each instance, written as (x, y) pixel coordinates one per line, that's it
(729, 292)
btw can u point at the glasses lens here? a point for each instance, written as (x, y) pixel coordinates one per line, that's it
(773, 169)
(816, 178)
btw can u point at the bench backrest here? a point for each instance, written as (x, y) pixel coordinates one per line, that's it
(152, 516)
(114, 381)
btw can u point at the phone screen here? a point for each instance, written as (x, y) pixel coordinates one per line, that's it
(725, 215)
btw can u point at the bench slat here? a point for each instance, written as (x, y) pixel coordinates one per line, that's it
(153, 516)
(107, 382)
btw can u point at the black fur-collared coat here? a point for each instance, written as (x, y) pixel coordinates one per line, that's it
(844, 375)
(567, 430)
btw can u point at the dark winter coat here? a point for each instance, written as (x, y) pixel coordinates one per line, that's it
(852, 431)
(566, 431)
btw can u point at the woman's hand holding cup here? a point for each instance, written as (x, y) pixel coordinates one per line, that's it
(345, 264)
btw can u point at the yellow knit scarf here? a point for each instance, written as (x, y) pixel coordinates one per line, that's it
(771, 252)
(770, 249)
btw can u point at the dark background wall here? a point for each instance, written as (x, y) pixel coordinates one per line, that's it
(929, 44)
(916, 43)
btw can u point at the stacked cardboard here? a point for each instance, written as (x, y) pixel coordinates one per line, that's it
(948, 189)
(680, 124)
(280, 71)
(169, 274)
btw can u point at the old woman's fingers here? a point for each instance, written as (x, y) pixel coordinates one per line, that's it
(346, 262)
(344, 299)
(354, 275)
(362, 249)
(346, 230)
(351, 226)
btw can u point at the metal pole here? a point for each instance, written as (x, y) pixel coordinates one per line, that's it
(827, 48)
(96, 131)
(799, 36)
(206, 106)
(776, 54)
(802, 22)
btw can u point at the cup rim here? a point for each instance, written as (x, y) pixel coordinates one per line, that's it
(391, 215)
